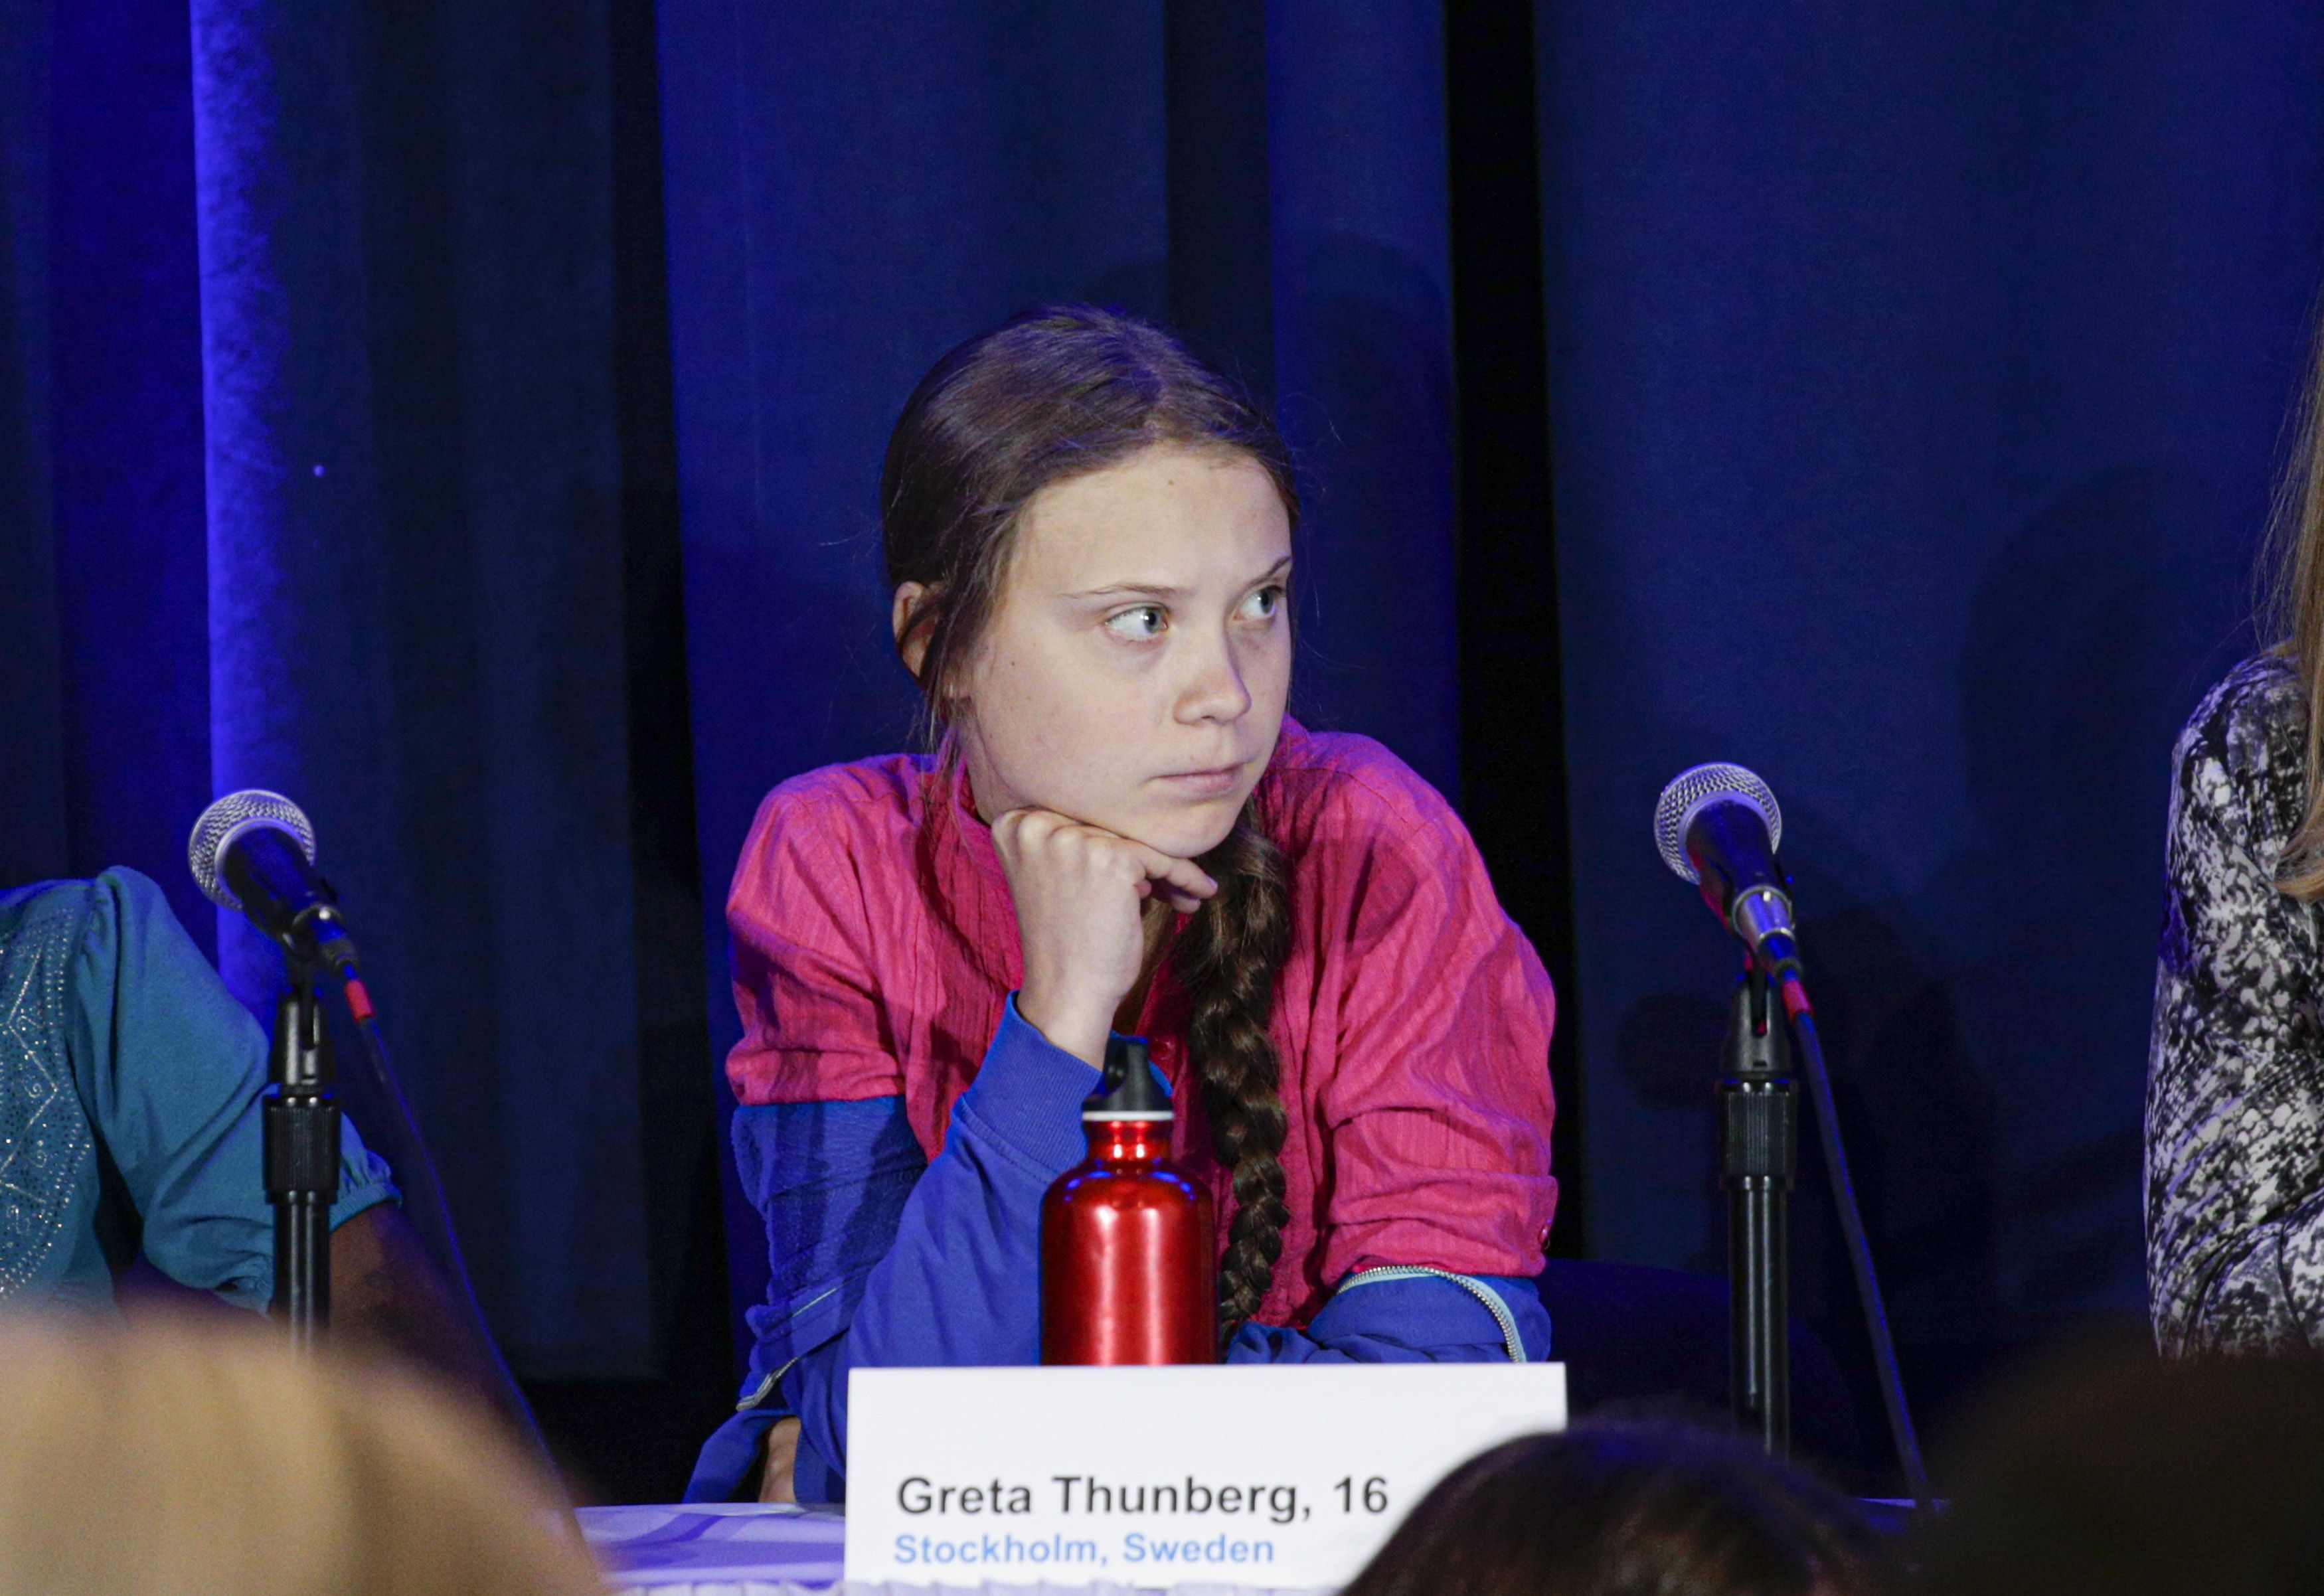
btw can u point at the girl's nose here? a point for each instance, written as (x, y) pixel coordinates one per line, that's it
(1216, 691)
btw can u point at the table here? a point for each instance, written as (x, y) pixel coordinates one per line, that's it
(747, 1549)
(739, 1549)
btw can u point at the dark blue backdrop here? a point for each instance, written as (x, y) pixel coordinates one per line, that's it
(1917, 376)
(1915, 382)
(315, 476)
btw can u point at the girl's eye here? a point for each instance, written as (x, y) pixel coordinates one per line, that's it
(1262, 604)
(1141, 625)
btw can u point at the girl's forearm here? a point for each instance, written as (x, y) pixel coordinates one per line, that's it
(1426, 1320)
(960, 1284)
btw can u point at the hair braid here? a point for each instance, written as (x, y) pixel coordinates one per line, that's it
(1227, 961)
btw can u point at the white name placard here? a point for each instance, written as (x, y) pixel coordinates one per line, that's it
(1282, 1475)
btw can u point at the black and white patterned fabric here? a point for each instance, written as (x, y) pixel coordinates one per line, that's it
(2235, 1096)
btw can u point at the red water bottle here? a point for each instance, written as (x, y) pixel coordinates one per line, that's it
(1128, 1272)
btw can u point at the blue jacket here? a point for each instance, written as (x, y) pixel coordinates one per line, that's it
(884, 1258)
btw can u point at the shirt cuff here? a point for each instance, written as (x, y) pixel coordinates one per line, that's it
(358, 1199)
(365, 1180)
(1028, 1094)
(363, 1176)
(731, 1458)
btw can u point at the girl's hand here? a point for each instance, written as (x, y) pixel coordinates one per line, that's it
(1081, 896)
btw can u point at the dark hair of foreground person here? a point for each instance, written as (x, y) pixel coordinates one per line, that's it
(1631, 1508)
(2123, 1473)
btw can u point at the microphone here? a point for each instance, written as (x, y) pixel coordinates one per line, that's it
(1718, 827)
(253, 852)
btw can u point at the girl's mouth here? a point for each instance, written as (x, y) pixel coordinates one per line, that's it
(1204, 783)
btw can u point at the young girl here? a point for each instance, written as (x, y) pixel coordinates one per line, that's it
(1088, 536)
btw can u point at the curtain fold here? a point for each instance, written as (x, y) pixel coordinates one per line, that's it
(416, 588)
(126, 380)
(35, 833)
(1363, 364)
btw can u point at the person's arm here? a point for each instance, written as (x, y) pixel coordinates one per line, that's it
(2235, 1102)
(1422, 1319)
(170, 1068)
(1401, 1321)
(960, 1283)
(1438, 1100)
(829, 1180)
(388, 1301)
(949, 1275)
(1438, 1104)
(1396, 1320)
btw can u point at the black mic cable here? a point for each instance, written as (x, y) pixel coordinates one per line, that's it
(1717, 827)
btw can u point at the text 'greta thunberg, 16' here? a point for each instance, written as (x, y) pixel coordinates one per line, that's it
(1129, 1472)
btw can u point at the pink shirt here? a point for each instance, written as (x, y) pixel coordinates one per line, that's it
(875, 942)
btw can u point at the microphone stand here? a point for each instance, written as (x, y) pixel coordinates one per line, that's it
(1717, 825)
(1759, 1122)
(299, 1134)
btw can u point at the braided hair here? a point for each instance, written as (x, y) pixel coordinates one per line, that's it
(1226, 961)
(1062, 393)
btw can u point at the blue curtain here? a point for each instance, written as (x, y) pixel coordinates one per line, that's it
(1917, 374)
(317, 478)
(1914, 381)
(35, 838)
(109, 451)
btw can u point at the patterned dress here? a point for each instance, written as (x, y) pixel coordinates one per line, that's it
(2234, 1097)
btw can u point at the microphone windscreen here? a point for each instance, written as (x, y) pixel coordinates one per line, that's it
(229, 818)
(1690, 791)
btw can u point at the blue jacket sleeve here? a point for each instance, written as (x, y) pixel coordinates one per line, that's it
(1423, 1320)
(943, 1269)
(958, 1281)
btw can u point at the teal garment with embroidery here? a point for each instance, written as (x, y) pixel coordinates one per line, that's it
(129, 1104)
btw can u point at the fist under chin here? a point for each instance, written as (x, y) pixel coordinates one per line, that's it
(1182, 832)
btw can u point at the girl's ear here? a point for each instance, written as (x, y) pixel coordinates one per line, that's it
(913, 618)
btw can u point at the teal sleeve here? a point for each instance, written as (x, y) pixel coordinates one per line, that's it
(170, 1068)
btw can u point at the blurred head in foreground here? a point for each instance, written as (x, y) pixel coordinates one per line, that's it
(1629, 1510)
(2120, 1474)
(170, 1456)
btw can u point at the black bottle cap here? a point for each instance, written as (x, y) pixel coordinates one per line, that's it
(1131, 1089)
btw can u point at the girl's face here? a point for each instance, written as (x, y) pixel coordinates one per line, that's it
(1134, 673)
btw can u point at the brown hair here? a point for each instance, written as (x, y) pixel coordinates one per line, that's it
(2291, 613)
(1629, 1510)
(175, 1455)
(1057, 394)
